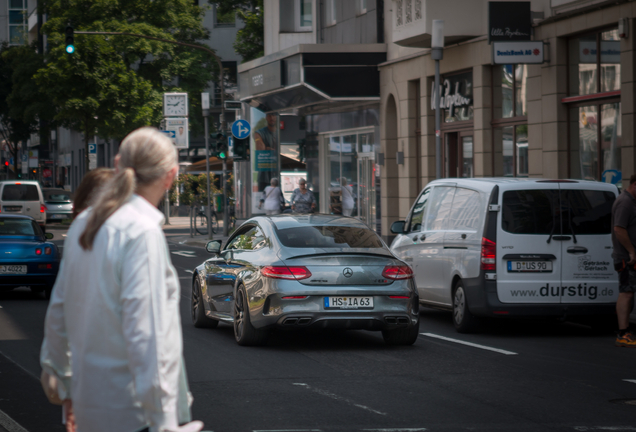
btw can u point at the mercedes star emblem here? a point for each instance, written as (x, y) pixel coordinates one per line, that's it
(347, 272)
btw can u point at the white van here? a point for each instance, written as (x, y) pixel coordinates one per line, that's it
(23, 197)
(511, 247)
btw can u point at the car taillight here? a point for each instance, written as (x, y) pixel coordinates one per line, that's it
(47, 251)
(297, 273)
(488, 254)
(42, 208)
(397, 272)
(38, 251)
(399, 297)
(45, 266)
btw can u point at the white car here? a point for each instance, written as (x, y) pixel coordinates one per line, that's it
(511, 247)
(23, 197)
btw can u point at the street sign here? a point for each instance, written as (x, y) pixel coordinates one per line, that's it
(205, 101)
(232, 105)
(178, 127)
(241, 129)
(230, 146)
(46, 172)
(92, 156)
(524, 52)
(612, 176)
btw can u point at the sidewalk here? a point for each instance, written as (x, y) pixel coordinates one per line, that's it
(179, 232)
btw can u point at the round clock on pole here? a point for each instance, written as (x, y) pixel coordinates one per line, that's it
(175, 104)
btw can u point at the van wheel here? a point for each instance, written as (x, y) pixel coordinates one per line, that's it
(463, 320)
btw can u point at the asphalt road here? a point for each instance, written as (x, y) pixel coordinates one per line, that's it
(516, 376)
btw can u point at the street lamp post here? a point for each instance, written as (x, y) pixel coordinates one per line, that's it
(437, 53)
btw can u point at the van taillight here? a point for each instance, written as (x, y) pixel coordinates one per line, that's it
(488, 254)
(42, 208)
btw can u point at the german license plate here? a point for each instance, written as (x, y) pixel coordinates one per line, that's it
(58, 216)
(529, 266)
(12, 208)
(13, 269)
(348, 302)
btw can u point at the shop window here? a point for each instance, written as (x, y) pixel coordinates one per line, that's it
(17, 22)
(456, 97)
(511, 151)
(224, 19)
(509, 93)
(595, 140)
(594, 63)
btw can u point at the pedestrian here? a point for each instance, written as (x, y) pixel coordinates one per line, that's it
(624, 241)
(347, 197)
(112, 334)
(302, 199)
(273, 198)
(89, 187)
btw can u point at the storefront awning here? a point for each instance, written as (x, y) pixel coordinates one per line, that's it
(306, 75)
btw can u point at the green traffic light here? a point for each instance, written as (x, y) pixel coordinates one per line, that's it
(222, 155)
(70, 49)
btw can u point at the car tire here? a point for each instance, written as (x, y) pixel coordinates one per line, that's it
(463, 320)
(244, 332)
(402, 336)
(197, 310)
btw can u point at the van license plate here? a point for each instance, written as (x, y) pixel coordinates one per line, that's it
(13, 269)
(529, 266)
(348, 302)
(12, 208)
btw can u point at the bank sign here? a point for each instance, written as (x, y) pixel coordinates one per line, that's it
(529, 52)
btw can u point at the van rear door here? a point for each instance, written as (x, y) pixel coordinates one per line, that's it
(21, 198)
(529, 246)
(587, 266)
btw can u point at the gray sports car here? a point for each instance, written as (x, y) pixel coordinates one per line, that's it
(301, 271)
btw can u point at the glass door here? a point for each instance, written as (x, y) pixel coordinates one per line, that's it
(458, 155)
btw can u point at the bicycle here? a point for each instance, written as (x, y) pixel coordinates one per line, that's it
(201, 221)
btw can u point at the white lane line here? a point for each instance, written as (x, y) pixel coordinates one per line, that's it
(484, 347)
(9, 424)
(338, 398)
(628, 380)
(397, 430)
(287, 430)
(189, 271)
(187, 254)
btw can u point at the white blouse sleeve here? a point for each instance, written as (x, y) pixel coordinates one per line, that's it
(152, 328)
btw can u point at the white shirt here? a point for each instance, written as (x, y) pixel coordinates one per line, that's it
(347, 197)
(272, 198)
(113, 330)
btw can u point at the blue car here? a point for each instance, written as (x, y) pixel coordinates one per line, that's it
(27, 258)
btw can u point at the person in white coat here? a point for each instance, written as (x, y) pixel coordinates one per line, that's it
(112, 336)
(347, 198)
(273, 198)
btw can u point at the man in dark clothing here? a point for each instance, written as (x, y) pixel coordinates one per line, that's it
(623, 240)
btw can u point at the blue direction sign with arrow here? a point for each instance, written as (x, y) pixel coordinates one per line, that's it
(241, 129)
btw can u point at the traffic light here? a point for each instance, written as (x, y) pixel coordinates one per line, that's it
(221, 145)
(241, 149)
(70, 40)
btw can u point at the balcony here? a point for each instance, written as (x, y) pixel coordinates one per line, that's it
(413, 20)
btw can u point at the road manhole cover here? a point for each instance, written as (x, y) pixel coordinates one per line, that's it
(624, 401)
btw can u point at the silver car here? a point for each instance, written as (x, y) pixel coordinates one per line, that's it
(59, 204)
(302, 271)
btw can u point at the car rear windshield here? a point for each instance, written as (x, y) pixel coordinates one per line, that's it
(19, 227)
(329, 236)
(20, 192)
(57, 197)
(577, 212)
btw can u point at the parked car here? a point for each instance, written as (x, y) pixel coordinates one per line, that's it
(59, 204)
(23, 197)
(511, 248)
(302, 271)
(27, 258)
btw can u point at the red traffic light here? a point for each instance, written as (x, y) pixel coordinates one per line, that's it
(6, 163)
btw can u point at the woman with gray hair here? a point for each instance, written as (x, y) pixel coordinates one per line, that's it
(112, 335)
(273, 197)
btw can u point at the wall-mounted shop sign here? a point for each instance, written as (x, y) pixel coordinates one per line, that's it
(509, 21)
(456, 96)
(610, 51)
(529, 52)
(261, 79)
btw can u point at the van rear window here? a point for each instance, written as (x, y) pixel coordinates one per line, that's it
(23, 192)
(578, 212)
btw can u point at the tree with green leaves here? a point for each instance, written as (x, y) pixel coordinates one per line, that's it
(112, 85)
(23, 109)
(250, 39)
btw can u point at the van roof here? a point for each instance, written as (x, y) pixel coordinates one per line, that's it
(488, 183)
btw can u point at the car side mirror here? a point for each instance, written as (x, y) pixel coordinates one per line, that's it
(48, 236)
(397, 227)
(213, 247)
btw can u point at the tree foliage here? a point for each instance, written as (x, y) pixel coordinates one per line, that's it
(250, 39)
(114, 84)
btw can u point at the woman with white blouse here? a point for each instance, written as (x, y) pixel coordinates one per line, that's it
(113, 331)
(273, 198)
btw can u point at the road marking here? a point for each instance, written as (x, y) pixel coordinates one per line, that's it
(484, 347)
(287, 430)
(604, 428)
(9, 424)
(188, 254)
(397, 430)
(189, 271)
(628, 380)
(338, 398)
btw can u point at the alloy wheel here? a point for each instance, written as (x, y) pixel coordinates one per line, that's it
(196, 301)
(239, 310)
(459, 303)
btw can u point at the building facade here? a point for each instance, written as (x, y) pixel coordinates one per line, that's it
(569, 117)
